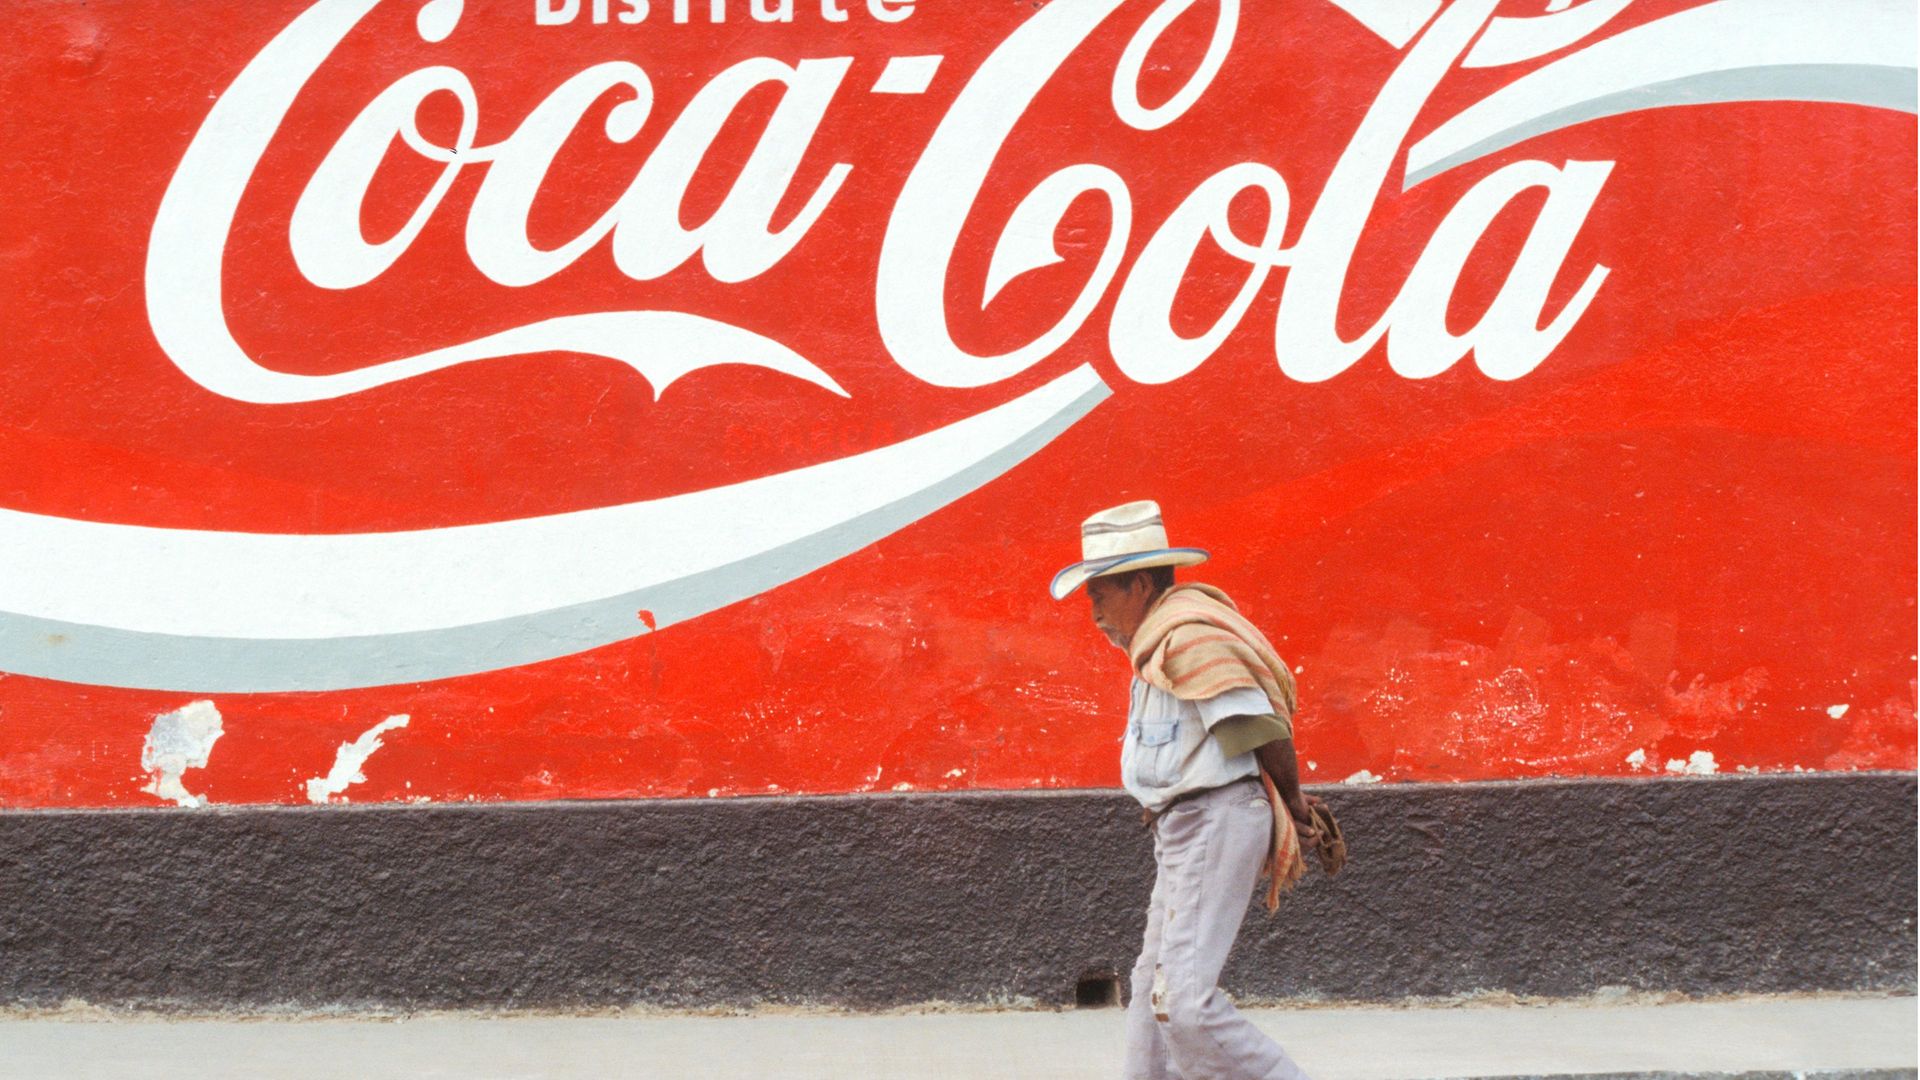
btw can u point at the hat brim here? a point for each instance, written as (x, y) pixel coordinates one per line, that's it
(1079, 573)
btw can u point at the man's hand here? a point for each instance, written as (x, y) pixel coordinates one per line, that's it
(1300, 808)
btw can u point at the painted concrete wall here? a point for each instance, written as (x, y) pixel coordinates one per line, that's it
(418, 402)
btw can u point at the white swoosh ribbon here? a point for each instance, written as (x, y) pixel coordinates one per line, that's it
(1858, 52)
(208, 611)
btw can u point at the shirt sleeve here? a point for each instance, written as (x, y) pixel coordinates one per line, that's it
(1241, 701)
(1243, 719)
(1240, 734)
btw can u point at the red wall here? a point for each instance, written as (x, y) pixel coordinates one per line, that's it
(1690, 527)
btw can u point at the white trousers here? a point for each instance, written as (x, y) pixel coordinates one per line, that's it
(1207, 852)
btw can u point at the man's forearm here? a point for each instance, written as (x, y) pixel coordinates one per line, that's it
(1278, 760)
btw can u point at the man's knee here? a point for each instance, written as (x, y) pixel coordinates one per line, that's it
(1140, 985)
(1186, 1010)
(1143, 969)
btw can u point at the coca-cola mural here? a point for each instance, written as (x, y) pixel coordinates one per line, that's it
(573, 398)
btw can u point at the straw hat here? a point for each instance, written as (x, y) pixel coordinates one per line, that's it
(1122, 538)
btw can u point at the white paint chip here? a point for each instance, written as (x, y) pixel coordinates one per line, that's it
(1637, 759)
(1361, 777)
(1698, 763)
(1838, 711)
(348, 762)
(179, 740)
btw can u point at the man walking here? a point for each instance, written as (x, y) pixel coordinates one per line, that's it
(1209, 754)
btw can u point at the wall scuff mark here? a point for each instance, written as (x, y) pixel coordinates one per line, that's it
(179, 740)
(348, 762)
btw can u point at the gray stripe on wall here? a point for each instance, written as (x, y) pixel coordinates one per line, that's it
(1555, 888)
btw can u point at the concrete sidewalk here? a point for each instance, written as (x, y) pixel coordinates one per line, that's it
(1792, 1035)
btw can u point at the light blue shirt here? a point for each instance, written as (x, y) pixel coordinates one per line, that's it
(1166, 752)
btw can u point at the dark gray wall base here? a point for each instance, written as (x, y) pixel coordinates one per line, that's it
(1550, 888)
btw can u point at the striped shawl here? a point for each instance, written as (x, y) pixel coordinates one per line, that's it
(1195, 644)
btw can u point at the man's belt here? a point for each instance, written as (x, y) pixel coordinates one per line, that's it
(1148, 817)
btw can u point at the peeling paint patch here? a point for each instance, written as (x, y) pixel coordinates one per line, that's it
(179, 740)
(1698, 763)
(349, 760)
(1361, 777)
(1637, 759)
(1838, 711)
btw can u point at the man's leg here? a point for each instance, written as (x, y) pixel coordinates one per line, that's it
(1211, 848)
(1146, 1043)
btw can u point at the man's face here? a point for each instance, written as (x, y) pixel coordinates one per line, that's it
(1117, 607)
